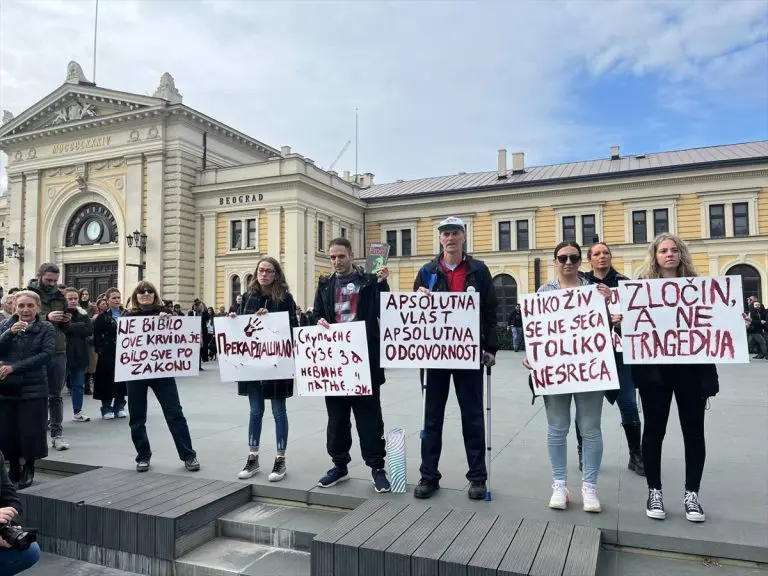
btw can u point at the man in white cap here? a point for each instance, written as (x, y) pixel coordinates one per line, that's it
(454, 271)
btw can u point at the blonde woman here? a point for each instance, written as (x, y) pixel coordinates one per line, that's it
(690, 384)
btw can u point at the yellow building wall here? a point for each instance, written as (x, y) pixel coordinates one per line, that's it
(531, 279)
(762, 211)
(264, 233)
(407, 275)
(425, 242)
(618, 264)
(372, 234)
(221, 235)
(321, 271)
(613, 223)
(689, 217)
(221, 286)
(545, 228)
(482, 236)
(701, 263)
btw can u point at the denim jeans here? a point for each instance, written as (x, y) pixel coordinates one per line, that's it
(77, 380)
(256, 399)
(589, 407)
(14, 562)
(627, 399)
(517, 338)
(57, 375)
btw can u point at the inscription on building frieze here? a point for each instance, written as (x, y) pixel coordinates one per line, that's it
(82, 144)
(240, 199)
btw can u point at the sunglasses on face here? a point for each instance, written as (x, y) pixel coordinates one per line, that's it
(572, 258)
(147, 291)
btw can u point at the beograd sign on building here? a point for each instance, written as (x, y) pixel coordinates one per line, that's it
(240, 199)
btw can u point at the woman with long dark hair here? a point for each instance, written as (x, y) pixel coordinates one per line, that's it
(690, 384)
(110, 393)
(267, 293)
(145, 301)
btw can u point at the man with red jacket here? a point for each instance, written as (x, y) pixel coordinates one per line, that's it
(455, 271)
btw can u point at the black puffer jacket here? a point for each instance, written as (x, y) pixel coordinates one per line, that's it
(78, 331)
(29, 352)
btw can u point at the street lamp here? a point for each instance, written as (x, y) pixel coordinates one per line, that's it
(137, 240)
(16, 250)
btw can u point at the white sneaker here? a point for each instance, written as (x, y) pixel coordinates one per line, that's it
(60, 444)
(589, 497)
(80, 417)
(122, 414)
(108, 416)
(560, 496)
(278, 470)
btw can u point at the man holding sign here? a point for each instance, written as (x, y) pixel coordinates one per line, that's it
(454, 271)
(350, 295)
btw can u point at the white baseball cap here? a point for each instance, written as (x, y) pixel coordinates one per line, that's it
(451, 223)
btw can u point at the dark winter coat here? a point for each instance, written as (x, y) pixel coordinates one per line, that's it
(52, 302)
(78, 332)
(8, 497)
(432, 277)
(516, 319)
(29, 352)
(105, 344)
(368, 307)
(251, 302)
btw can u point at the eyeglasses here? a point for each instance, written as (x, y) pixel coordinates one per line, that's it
(147, 291)
(265, 271)
(572, 258)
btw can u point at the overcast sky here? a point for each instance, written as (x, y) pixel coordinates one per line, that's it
(440, 86)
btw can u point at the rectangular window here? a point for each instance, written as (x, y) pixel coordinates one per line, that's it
(522, 235)
(2, 249)
(405, 243)
(741, 219)
(236, 235)
(660, 221)
(250, 241)
(392, 241)
(569, 228)
(343, 232)
(639, 229)
(717, 221)
(505, 236)
(588, 230)
(320, 236)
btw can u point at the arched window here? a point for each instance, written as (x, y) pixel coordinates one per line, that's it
(506, 296)
(235, 289)
(750, 281)
(248, 278)
(92, 224)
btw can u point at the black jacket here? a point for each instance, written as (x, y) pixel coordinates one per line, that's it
(611, 279)
(8, 497)
(516, 319)
(29, 352)
(105, 334)
(756, 319)
(368, 307)
(478, 276)
(52, 302)
(78, 331)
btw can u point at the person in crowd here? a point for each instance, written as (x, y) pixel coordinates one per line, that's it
(516, 326)
(756, 321)
(14, 290)
(13, 561)
(27, 347)
(177, 310)
(209, 335)
(222, 311)
(101, 306)
(589, 405)
(347, 295)
(7, 310)
(455, 271)
(110, 393)
(199, 309)
(84, 296)
(691, 385)
(603, 272)
(79, 330)
(145, 301)
(93, 313)
(268, 292)
(236, 306)
(52, 307)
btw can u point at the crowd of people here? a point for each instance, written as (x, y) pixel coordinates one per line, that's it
(54, 336)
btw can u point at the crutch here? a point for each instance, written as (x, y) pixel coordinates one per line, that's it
(423, 433)
(488, 431)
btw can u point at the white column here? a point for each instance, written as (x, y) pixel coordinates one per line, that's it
(309, 258)
(294, 264)
(209, 257)
(31, 240)
(334, 227)
(155, 210)
(16, 200)
(273, 233)
(129, 275)
(198, 239)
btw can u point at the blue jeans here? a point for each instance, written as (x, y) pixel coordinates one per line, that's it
(13, 562)
(517, 338)
(256, 399)
(626, 399)
(77, 380)
(589, 407)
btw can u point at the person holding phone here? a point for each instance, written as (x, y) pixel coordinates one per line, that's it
(78, 330)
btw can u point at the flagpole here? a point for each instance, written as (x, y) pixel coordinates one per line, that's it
(95, 30)
(356, 172)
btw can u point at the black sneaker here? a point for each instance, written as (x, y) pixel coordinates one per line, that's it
(693, 510)
(142, 466)
(278, 470)
(425, 489)
(380, 482)
(251, 467)
(477, 490)
(654, 507)
(192, 465)
(333, 477)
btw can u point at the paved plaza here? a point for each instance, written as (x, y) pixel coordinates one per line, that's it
(734, 491)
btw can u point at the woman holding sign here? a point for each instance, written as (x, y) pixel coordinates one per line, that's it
(589, 405)
(691, 385)
(145, 301)
(267, 292)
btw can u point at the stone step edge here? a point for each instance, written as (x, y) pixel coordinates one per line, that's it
(186, 566)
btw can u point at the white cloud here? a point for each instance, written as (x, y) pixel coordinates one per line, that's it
(440, 86)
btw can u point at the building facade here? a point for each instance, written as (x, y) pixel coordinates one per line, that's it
(113, 185)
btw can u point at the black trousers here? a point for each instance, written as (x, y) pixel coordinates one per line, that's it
(469, 393)
(167, 395)
(370, 428)
(657, 400)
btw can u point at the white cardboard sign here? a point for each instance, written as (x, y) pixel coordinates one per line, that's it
(254, 347)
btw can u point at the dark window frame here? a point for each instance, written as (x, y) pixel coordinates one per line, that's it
(636, 239)
(737, 228)
(403, 244)
(588, 239)
(656, 228)
(235, 234)
(570, 228)
(526, 232)
(713, 218)
(248, 243)
(321, 235)
(505, 237)
(390, 237)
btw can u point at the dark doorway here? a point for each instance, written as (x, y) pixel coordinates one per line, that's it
(506, 296)
(96, 276)
(750, 281)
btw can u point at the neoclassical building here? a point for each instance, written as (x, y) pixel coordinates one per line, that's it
(115, 185)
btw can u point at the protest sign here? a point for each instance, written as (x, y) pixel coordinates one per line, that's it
(437, 330)
(157, 347)
(254, 347)
(613, 304)
(332, 361)
(683, 321)
(568, 341)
